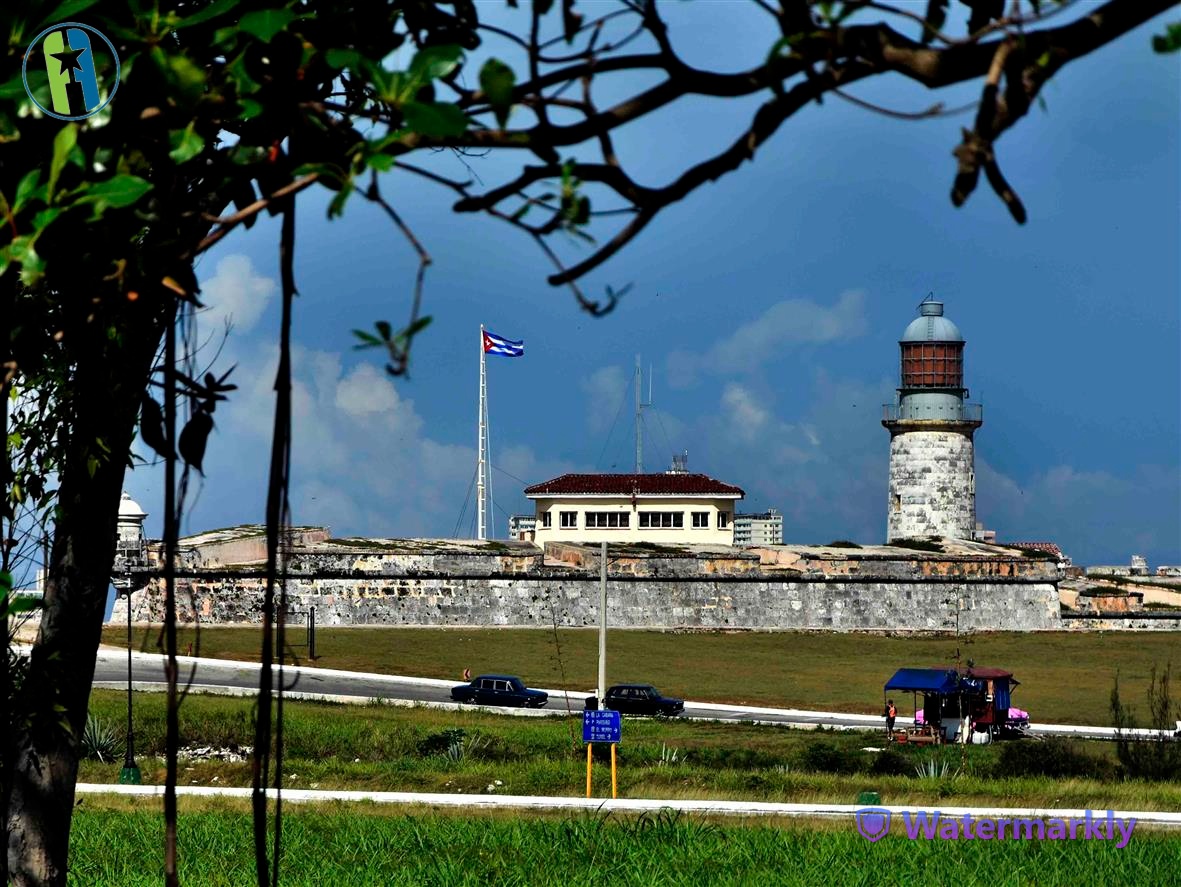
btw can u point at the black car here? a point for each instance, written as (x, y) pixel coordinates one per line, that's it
(499, 689)
(642, 699)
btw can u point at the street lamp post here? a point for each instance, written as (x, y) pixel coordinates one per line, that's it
(130, 774)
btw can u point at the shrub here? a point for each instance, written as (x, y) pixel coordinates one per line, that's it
(890, 763)
(442, 743)
(919, 544)
(1053, 757)
(824, 757)
(842, 543)
(1159, 758)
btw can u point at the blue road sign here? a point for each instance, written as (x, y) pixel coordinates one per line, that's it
(601, 726)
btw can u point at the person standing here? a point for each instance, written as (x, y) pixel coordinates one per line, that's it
(891, 714)
(467, 674)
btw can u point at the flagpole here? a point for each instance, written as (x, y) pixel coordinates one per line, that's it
(481, 469)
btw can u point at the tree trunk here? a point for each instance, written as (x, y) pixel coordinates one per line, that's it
(108, 382)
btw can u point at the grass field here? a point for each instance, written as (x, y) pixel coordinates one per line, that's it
(1066, 677)
(114, 843)
(386, 748)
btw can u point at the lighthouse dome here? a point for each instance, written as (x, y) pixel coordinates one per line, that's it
(931, 325)
(129, 509)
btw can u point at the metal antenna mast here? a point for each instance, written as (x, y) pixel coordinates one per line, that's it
(640, 404)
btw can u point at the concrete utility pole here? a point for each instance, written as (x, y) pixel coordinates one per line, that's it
(602, 689)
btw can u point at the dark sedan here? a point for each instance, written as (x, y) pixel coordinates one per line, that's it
(642, 699)
(499, 689)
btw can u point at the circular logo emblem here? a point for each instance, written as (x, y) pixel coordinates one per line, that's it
(77, 60)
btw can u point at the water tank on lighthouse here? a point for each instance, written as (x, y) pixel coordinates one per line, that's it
(932, 460)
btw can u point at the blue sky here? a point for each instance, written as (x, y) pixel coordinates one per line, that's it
(769, 305)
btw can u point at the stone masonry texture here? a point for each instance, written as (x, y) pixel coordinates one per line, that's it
(768, 588)
(932, 485)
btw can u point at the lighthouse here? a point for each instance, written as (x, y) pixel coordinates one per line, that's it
(932, 460)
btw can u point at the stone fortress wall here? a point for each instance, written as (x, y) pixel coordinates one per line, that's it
(957, 586)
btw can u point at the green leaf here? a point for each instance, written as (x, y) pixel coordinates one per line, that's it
(266, 23)
(435, 119)
(384, 328)
(213, 10)
(26, 190)
(368, 340)
(380, 162)
(434, 62)
(121, 191)
(336, 207)
(67, 10)
(417, 327)
(1170, 41)
(23, 604)
(45, 218)
(91, 465)
(343, 58)
(188, 76)
(250, 108)
(14, 89)
(497, 80)
(186, 144)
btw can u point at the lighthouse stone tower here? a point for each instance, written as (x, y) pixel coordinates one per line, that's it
(932, 463)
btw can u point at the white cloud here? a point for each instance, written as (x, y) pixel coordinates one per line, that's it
(786, 324)
(743, 413)
(236, 293)
(362, 460)
(605, 390)
(1096, 516)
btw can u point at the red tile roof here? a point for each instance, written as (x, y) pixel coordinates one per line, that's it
(639, 484)
(1048, 547)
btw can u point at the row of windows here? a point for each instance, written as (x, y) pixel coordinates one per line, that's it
(568, 520)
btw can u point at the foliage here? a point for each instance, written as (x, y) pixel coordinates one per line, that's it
(114, 844)
(1158, 758)
(1054, 757)
(99, 740)
(933, 768)
(890, 762)
(825, 757)
(229, 103)
(932, 544)
(842, 543)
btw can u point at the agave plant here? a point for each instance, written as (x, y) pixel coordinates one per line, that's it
(99, 740)
(933, 769)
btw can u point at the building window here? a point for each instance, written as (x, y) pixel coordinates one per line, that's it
(546, 520)
(897, 503)
(569, 519)
(723, 519)
(700, 520)
(662, 519)
(608, 520)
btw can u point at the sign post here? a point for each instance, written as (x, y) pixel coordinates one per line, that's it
(601, 726)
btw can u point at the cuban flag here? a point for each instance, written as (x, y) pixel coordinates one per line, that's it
(494, 344)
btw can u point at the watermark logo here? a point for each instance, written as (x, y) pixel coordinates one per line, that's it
(67, 54)
(873, 824)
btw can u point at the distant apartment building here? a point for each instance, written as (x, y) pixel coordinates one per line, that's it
(521, 527)
(764, 528)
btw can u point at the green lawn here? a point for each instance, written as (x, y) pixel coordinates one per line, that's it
(113, 843)
(388, 748)
(1066, 677)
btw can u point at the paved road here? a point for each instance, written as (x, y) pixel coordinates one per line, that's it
(213, 674)
(148, 669)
